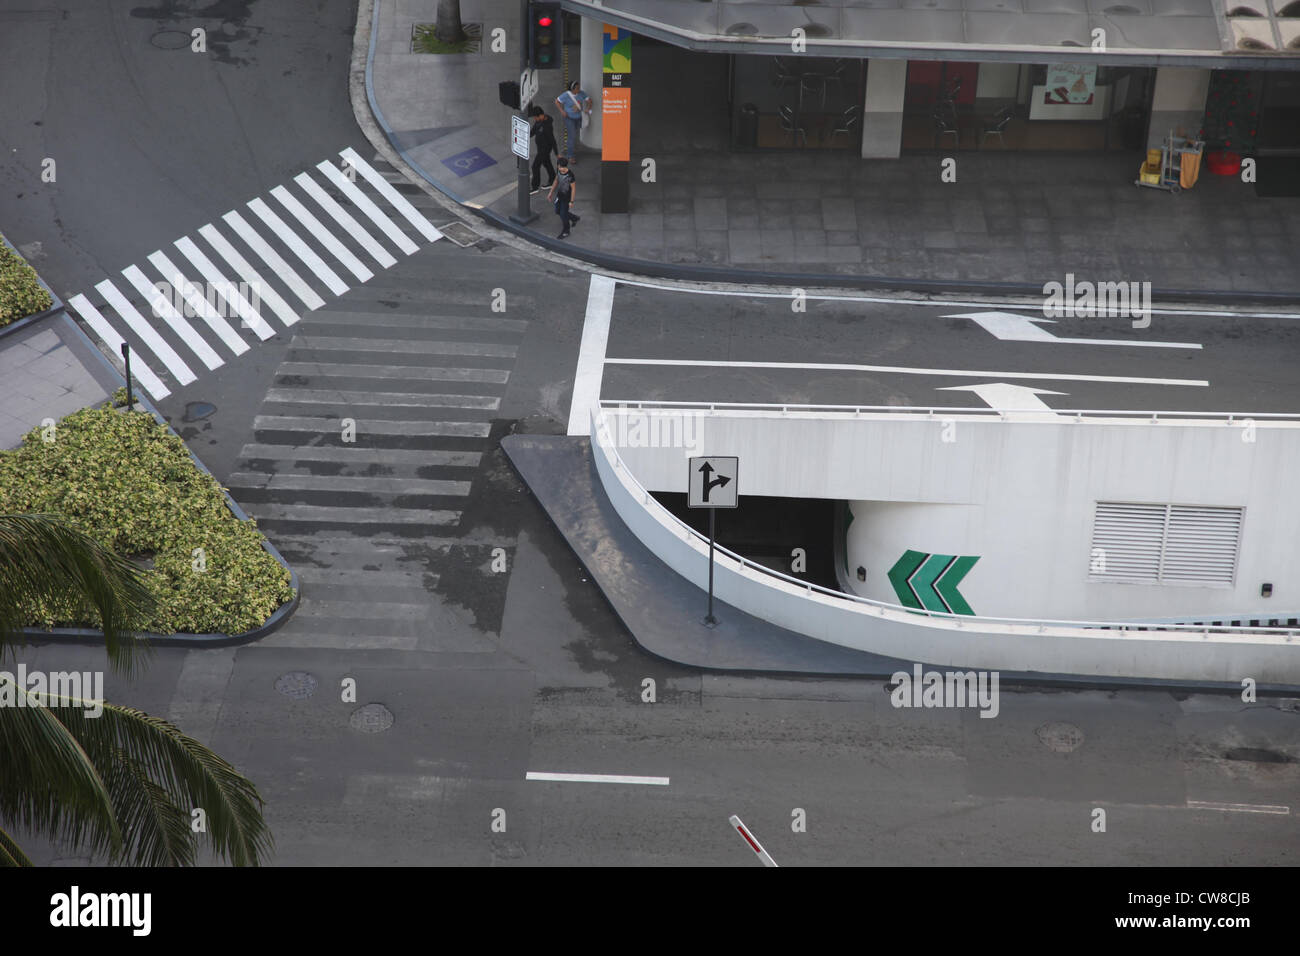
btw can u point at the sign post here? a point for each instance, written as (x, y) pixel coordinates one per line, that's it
(523, 212)
(711, 483)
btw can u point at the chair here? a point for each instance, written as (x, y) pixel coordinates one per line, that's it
(995, 126)
(790, 125)
(814, 84)
(847, 121)
(782, 75)
(943, 126)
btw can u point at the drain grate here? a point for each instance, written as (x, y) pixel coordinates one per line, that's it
(371, 719)
(296, 685)
(460, 233)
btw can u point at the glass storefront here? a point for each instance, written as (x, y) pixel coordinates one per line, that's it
(1023, 106)
(797, 102)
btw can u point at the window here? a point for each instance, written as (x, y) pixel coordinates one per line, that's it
(1165, 544)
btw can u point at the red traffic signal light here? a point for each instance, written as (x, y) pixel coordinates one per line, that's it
(544, 21)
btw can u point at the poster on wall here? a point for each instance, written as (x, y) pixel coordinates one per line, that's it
(1072, 83)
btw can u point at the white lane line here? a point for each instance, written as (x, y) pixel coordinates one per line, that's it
(752, 841)
(106, 332)
(344, 219)
(140, 325)
(300, 249)
(385, 189)
(596, 778)
(164, 309)
(900, 370)
(297, 285)
(367, 206)
(591, 354)
(940, 303)
(260, 286)
(326, 238)
(1010, 327)
(201, 306)
(224, 287)
(1237, 807)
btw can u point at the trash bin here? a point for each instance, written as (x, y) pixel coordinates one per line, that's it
(747, 133)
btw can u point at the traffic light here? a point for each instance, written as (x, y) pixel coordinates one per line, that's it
(545, 35)
(508, 92)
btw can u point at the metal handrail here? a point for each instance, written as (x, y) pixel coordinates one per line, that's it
(932, 410)
(650, 501)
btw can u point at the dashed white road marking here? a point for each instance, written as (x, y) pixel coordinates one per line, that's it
(265, 292)
(297, 285)
(140, 325)
(326, 238)
(300, 249)
(386, 190)
(344, 219)
(164, 309)
(139, 370)
(596, 778)
(224, 288)
(364, 203)
(201, 306)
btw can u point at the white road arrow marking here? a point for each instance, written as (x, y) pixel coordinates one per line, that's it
(1009, 327)
(1005, 397)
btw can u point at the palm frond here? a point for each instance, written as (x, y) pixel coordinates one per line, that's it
(11, 854)
(50, 784)
(42, 556)
(159, 830)
(184, 771)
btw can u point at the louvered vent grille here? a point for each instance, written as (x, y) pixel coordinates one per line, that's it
(1165, 543)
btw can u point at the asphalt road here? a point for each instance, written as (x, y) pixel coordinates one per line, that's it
(489, 676)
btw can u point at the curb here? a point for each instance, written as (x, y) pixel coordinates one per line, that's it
(364, 46)
(77, 635)
(36, 317)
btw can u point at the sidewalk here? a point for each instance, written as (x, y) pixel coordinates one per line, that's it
(1026, 217)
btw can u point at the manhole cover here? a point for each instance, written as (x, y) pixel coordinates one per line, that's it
(1060, 737)
(371, 719)
(296, 685)
(460, 233)
(171, 40)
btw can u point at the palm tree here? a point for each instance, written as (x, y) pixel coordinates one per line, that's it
(122, 784)
(448, 27)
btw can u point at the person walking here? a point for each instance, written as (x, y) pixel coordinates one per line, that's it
(543, 130)
(575, 105)
(564, 194)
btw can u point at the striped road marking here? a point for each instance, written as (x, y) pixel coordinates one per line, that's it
(140, 325)
(297, 285)
(163, 308)
(300, 249)
(385, 189)
(99, 324)
(344, 219)
(246, 272)
(364, 203)
(224, 287)
(596, 778)
(201, 306)
(326, 238)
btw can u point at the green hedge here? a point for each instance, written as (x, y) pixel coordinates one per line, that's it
(21, 294)
(130, 483)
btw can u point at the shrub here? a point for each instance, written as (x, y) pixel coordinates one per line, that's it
(127, 481)
(21, 294)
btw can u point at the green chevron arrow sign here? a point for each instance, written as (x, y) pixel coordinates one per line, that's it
(929, 581)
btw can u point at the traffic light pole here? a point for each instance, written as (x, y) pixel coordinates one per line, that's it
(524, 213)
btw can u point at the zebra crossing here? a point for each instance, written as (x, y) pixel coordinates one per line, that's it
(364, 453)
(166, 344)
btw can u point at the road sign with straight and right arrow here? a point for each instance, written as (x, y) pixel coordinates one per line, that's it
(929, 581)
(712, 482)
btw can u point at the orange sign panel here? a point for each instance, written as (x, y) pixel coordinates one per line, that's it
(616, 124)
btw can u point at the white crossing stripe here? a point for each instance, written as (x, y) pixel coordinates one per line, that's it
(163, 307)
(386, 190)
(224, 287)
(300, 249)
(344, 219)
(246, 272)
(297, 285)
(367, 206)
(595, 778)
(323, 235)
(140, 325)
(102, 328)
(201, 306)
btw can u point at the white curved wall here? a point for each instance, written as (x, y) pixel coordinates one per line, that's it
(968, 643)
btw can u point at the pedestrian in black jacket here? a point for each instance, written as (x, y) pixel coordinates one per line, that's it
(543, 130)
